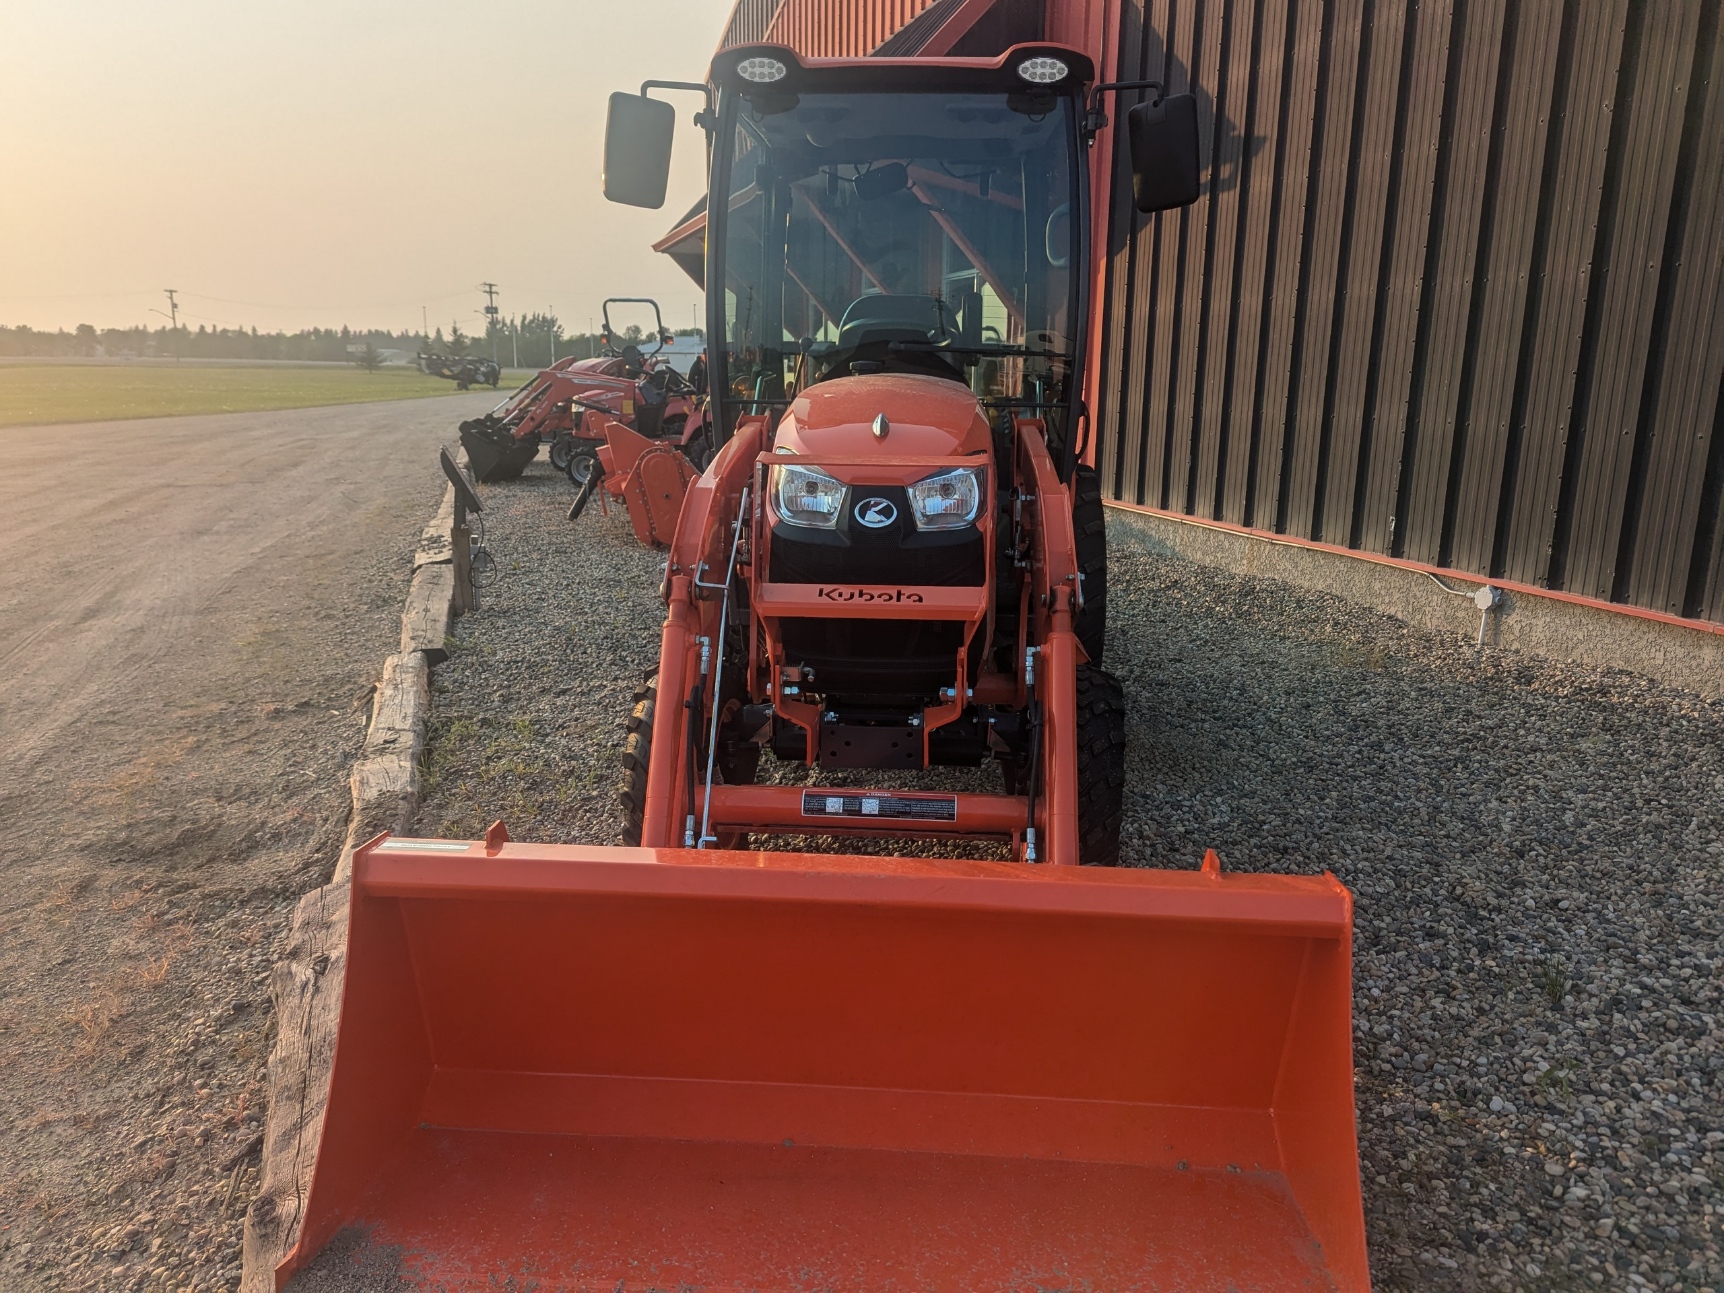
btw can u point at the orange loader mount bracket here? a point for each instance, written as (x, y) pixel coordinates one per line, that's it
(608, 1068)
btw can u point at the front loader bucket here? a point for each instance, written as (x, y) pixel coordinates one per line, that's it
(562, 1067)
(495, 454)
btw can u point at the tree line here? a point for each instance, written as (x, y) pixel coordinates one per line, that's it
(527, 341)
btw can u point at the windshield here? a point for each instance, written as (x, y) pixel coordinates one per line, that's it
(924, 233)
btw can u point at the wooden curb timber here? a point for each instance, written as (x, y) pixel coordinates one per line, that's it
(306, 986)
(307, 981)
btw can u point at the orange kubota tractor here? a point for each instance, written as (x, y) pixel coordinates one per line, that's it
(697, 1064)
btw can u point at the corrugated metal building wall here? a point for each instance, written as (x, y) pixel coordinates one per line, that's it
(749, 22)
(1453, 293)
(839, 28)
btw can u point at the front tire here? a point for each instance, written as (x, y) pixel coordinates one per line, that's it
(581, 465)
(637, 755)
(584, 471)
(1100, 765)
(734, 767)
(1089, 526)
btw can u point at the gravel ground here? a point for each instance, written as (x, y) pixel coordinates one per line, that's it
(1535, 849)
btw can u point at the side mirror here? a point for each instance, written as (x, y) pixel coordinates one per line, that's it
(1164, 162)
(638, 134)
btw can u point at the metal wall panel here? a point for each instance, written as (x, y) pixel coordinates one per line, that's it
(1582, 108)
(1260, 186)
(1282, 279)
(749, 22)
(840, 28)
(1364, 242)
(1163, 326)
(1228, 199)
(1383, 435)
(1519, 131)
(1451, 261)
(1453, 291)
(1318, 309)
(1625, 287)
(1686, 396)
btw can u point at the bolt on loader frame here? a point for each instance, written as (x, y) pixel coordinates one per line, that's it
(691, 1064)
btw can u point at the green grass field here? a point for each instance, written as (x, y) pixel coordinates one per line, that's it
(33, 395)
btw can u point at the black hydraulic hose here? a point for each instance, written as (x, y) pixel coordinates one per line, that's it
(693, 705)
(1035, 760)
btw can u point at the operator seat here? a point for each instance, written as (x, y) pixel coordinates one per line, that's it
(872, 323)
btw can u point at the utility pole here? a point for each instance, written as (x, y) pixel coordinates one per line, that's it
(490, 291)
(425, 325)
(173, 318)
(553, 331)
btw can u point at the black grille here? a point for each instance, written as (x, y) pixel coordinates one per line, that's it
(912, 658)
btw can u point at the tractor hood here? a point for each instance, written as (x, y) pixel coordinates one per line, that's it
(926, 417)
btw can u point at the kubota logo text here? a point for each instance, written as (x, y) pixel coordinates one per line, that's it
(868, 595)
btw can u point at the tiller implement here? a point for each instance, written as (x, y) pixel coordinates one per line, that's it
(696, 1064)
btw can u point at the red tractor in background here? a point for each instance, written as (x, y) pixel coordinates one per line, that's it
(569, 405)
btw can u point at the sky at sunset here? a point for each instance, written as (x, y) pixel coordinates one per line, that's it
(288, 165)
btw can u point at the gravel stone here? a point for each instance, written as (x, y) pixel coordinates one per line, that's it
(1534, 849)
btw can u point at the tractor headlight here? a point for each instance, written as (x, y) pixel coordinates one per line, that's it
(761, 70)
(948, 501)
(807, 496)
(1043, 70)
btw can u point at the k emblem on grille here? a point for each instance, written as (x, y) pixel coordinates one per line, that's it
(876, 513)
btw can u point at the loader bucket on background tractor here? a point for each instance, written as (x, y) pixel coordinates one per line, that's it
(628, 1069)
(495, 453)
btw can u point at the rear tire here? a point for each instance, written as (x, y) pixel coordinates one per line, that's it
(1089, 525)
(1100, 765)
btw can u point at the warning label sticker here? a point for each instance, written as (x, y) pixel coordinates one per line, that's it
(904, 808)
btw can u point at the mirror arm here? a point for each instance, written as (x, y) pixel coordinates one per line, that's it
(1095, 118)
(706, 119)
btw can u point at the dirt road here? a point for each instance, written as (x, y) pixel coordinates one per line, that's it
(192, 613)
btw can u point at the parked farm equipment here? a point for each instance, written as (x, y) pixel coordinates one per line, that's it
(465, 371)
(691, 1064)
